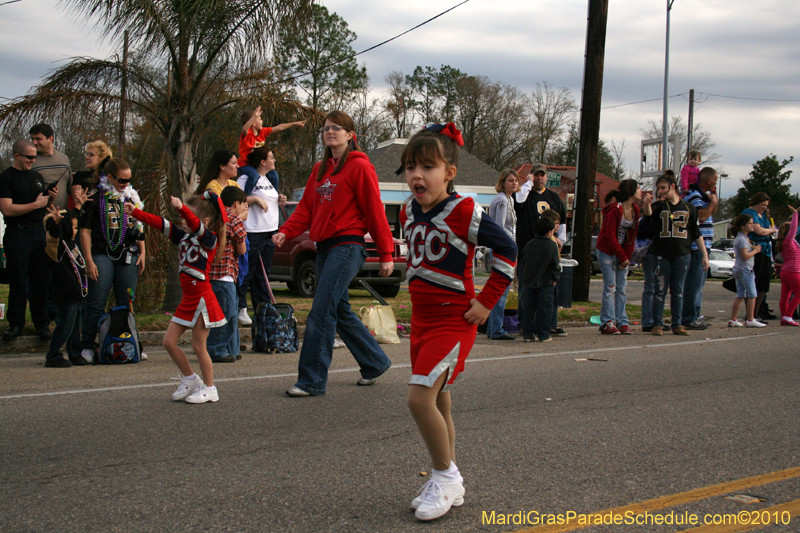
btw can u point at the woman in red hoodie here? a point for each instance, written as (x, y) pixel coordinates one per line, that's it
(614, 249)
(340, 204)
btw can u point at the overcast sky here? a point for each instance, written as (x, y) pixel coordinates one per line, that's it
(730, 48)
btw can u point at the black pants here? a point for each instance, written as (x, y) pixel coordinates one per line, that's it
(27, 261)
(260, 246)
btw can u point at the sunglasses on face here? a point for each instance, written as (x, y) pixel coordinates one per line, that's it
(29, 157)
(334, 127)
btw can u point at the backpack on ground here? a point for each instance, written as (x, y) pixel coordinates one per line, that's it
(274, 326)
(119, 340)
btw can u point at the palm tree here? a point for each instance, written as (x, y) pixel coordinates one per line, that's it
(190, 60)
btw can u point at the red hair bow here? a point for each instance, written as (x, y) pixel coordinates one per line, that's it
(448, 130)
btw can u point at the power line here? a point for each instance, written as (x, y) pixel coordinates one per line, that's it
(9, 2)
(324, 67)
(644, 101)
(750, 98)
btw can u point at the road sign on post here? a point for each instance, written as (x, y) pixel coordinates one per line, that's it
(553, 179)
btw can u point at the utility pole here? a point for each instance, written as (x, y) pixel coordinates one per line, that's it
(691, 122)
(123, 97)
(589, 137)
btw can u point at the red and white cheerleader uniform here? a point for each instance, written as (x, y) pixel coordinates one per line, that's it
(196, 251)
(441, 250)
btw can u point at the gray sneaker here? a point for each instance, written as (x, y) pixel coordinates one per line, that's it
(696, 325)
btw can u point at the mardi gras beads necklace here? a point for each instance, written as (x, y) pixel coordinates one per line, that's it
(77, 264)
(112, 194)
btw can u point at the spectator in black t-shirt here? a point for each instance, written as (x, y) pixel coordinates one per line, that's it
(23, 200)
(673, 224)
(69, 285)
(530, 202)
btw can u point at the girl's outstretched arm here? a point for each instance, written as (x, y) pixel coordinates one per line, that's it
(163, 225)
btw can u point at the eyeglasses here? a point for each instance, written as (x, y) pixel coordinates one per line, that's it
(334, 127)
(29, 157)
(89, 154)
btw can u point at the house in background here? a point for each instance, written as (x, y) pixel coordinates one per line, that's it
(475, 179)
(561, 179)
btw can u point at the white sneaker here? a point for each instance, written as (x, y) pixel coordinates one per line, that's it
(187, 386)
(244, 318)
(143, 357)
(734, 324)
(437, 499)
(338, 343)
(415, 503)
(88, 355)
(754, 324)
(203, 394)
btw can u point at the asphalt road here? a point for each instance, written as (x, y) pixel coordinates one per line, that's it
(539, 429)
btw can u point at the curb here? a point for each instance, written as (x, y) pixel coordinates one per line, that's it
(150, 338)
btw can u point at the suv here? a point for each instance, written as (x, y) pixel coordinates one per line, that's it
(296, 263)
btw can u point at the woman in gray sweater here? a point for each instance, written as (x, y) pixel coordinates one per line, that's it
(501, 209)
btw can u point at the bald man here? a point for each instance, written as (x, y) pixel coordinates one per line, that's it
(23, 202)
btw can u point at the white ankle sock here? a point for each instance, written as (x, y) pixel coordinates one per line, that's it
(446, 476)
(788, 319)
(187, 379)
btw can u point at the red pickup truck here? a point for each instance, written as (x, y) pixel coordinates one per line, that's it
(296, 264)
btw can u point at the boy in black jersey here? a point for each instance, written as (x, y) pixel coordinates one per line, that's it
(674, 225)
(69, 286)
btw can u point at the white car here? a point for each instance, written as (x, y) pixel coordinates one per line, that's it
(720, 264)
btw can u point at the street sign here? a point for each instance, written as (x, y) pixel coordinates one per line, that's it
(553, 179)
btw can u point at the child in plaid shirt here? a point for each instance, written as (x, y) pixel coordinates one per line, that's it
(223, 342)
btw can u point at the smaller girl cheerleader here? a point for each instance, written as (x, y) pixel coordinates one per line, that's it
(442, 230)
(790, 271)
(205, 218)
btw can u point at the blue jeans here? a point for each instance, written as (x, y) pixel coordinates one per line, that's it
(116, 273)
(331, 313)
(615, 279)
(224, 340)
(647, 293)
(68, 331)
(539, 312)
(494, 324)
(260, 246)
(669, 275)
(693, 289)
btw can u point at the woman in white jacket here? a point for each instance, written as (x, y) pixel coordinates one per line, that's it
(501, 209)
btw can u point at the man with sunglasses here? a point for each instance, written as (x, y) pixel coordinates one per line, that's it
(50, 163)
(23, 202)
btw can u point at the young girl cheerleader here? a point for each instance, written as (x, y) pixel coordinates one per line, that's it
(205, 218)
(790, 271)
(442, 230)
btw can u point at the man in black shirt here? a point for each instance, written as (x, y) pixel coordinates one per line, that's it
(673, 224)
(529, 203)
(23, 200)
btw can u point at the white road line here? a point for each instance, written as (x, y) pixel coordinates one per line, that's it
(395, 366)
